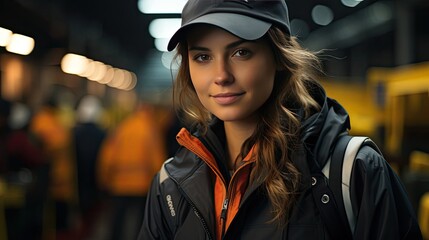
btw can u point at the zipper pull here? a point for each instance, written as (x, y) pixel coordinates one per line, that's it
(224, 208)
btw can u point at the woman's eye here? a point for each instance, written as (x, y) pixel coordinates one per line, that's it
(242, 53)
(202, 58)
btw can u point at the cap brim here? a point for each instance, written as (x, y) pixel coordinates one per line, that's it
(242, 26)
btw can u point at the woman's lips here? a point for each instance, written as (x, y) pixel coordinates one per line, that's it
(226, 98)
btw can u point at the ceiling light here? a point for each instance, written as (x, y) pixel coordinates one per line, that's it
(161, 6)
(74, 64)
(161, 44)
(164, 27)
(351, 3)
(322, 15)
(133, 82)
(20, 44)
(108, 76)
(5, 35)
(100, 70)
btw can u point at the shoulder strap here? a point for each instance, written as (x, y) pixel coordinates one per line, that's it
(336, 174)
(349, 158)
(338, 170)
(341, 165)
(163, 175)
(169, 197)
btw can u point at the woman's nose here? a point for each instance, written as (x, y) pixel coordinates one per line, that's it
(222, 75)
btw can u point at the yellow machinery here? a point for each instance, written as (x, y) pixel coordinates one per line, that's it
(405, 94)
(391, 98)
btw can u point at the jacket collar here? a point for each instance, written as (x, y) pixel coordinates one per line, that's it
(320, 131)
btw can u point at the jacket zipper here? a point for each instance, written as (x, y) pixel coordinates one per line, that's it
(194, 208)
(224, 210)
(223, 214)
(203, 222)
(227, 199)
(197, 213)
(197, 152)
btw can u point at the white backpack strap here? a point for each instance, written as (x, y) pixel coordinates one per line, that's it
(163, 175)
(326, 168)
(349, 158)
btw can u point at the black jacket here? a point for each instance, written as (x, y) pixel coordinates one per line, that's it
(180, 202)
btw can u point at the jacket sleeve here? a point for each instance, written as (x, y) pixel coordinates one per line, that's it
(380, 200)
(154, 223)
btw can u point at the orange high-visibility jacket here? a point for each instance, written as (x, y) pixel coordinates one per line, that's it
(56, 141)
(131, 156)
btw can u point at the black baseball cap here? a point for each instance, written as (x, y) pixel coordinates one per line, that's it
(247, 19)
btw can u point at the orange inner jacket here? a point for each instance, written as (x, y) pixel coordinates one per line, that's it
(237, 185)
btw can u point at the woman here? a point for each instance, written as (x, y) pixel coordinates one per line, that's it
(262, 127)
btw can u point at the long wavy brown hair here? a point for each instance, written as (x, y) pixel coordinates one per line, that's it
(278, 128)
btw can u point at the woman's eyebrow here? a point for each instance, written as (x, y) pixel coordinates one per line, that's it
(236, 43)
(197, 48)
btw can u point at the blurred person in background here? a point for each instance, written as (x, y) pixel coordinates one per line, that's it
(130, 157)
(250, 165)
(88, 136)
(55, 139)
(23, 168)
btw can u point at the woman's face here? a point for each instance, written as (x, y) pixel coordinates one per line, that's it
(232, 77)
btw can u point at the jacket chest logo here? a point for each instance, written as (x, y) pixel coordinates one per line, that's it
(170, 205)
